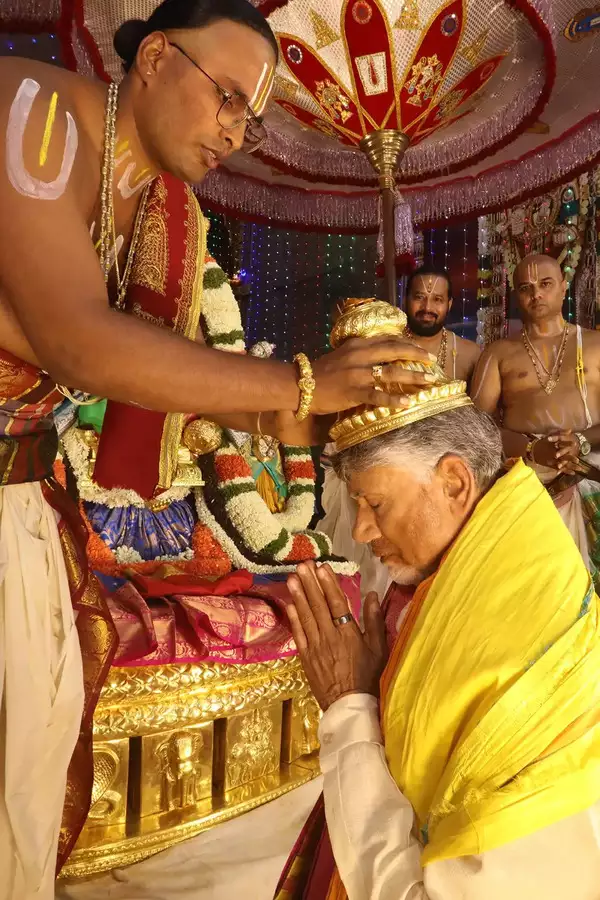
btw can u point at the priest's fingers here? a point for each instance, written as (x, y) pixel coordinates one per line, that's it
(386, 349)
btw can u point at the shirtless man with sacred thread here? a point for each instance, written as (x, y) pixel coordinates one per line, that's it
(82, 166)
(544, 384)
(428, 302)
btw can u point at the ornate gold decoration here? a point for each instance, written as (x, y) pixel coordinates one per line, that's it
(252, 746)
(173, 469)
(187, 473)
(408, 20)
(425, 76)
(285, 88)
(385, 150)
(333, 100)
(366, 422)
(150, 699)
(175, 769)
(109, 792)
(301, 731)
(202, 436)
(371, 422)
(180, 718)
(449, 104)
(366, 317)
(473, 51)
(151, 263)
(324, 33)
(306, 385)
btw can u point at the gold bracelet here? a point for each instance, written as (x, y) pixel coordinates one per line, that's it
(528, 455)
(306, 386)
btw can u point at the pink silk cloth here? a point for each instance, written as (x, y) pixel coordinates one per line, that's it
(242, 620)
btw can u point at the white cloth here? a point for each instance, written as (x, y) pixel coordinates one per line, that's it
(243, 858)
(41, 692)
(569, 503)
(370, 824)
(337, 524)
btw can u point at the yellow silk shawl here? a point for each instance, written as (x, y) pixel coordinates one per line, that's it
(491, 700)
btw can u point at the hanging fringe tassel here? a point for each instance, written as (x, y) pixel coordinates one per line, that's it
(404, 238)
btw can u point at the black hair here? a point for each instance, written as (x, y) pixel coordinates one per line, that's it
(182, 14)
(430, 270)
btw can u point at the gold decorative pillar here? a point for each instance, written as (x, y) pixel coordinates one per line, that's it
(385, 150)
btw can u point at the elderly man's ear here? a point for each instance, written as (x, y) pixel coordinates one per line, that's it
(457, 480)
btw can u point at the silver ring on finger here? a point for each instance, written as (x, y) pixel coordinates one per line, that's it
(343, 620)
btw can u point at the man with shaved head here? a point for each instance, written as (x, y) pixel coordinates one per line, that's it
(544, 386)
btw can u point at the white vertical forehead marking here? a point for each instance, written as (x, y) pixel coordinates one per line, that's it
(19, 177)
(261, 93)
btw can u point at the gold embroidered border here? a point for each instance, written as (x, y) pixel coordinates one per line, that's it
(186, 324)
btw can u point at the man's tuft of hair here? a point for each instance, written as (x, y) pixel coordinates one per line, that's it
(172, 15)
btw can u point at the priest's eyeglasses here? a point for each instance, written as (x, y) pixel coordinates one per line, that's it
(234, 110)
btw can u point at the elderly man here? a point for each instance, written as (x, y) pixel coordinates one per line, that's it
(471, 766)
(543, 384)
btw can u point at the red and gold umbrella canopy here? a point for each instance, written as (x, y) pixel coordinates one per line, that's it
(498, 97)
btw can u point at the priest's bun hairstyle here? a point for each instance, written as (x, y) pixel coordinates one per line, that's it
(182, 14)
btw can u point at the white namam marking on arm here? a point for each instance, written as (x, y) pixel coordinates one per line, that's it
(22, 181)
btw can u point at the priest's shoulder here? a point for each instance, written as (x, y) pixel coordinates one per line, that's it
(53, 127)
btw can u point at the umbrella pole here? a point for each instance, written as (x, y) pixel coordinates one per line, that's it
(385, 150)
(388, 203)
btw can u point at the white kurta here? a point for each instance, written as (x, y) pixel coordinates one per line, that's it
(41, 692)
(371, 828)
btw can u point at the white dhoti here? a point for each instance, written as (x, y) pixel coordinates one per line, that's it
(41, 692)
(570, 505)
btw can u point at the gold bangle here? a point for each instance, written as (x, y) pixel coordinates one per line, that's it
(306, 386)
(528, 455)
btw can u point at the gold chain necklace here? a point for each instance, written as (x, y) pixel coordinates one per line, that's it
(442, 352)
(108, 239)
(547, 380)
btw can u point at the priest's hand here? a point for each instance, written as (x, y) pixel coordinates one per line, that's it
(567, 449)
(338, 658)
(344, 378)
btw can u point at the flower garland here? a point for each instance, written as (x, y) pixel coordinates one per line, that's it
(255, 538)
(235, 524)
(220, 311)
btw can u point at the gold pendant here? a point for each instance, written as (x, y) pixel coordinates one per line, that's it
(550, 385)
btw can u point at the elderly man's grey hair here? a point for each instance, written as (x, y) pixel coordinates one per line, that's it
(466, 432)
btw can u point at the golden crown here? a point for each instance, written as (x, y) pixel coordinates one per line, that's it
(369, 318)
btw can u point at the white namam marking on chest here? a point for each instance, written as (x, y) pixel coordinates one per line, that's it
(22, 180)
(115, 250)
(128, 185)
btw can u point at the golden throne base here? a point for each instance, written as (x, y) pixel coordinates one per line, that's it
(180, 748)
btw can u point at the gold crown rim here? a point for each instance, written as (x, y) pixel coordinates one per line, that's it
(345, 434)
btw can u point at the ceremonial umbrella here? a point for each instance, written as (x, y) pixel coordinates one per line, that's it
(464, 107)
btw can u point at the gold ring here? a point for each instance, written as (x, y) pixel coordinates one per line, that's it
(378, 377)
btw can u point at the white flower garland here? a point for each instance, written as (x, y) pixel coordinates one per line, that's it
(78, 453)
